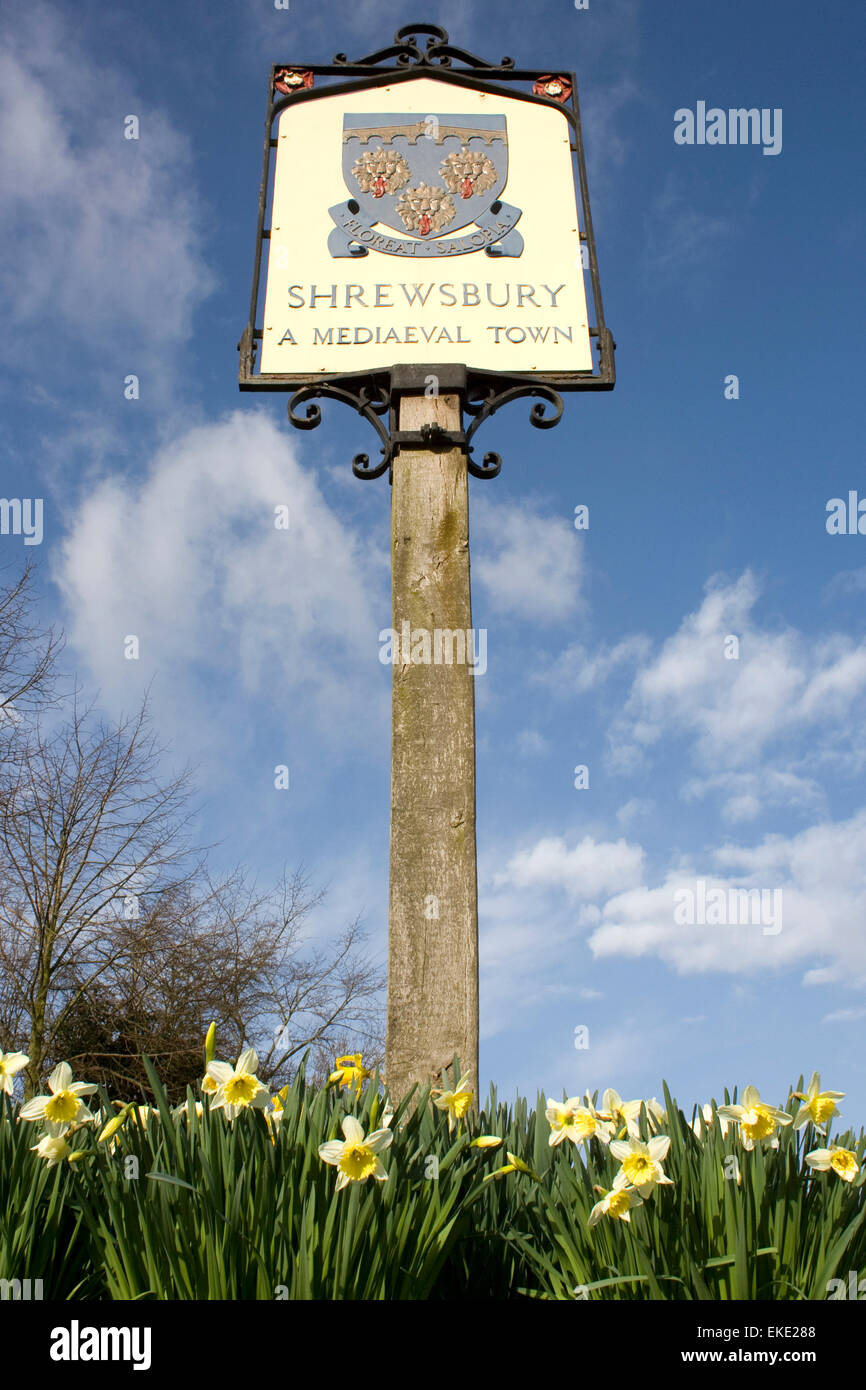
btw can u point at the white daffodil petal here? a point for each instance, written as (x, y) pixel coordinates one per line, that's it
(220, 1072)
(34, 1109)
(352, 1130)
(61, 1078)
(658, 1147)
(11, 1062)
(248, 1061)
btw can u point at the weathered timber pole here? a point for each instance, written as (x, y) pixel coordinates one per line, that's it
(433, 923)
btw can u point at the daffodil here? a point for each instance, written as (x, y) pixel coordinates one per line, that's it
(53, 1149)
(350, 1072)
(357, 1157)
(456, 1102)
(184, 1110)
(274, 1116)
(642, 1163)
(209, 1045)
(514, 1165)
(624, 1114)
(114, 1124)
(572, 1120)
(617, 1202)
(10, 1063)
(819, 1106)
(64, 1106)
(842, 1161)
(486, 1141)
(238, 1086)
(709, 1120)
(657, 1113)
(758, 1122)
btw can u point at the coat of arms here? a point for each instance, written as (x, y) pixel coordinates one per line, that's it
(429, 179)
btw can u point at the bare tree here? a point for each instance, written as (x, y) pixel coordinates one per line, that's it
(86, 827)
(28, 656)
(287, 1001)
(220, 953)
(114, 938)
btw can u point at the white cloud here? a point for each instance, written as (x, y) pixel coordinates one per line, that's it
(781, 685)
(103, 234)
(529, 565)
(189, 560)
(578, 669)
(633, 809)
(679, 234)
(846, 582)
(844, 1016)
(591, 867)
(821, 875)
(747, 794)
(531, 744)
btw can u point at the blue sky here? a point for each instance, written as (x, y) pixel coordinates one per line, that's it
(605, 647)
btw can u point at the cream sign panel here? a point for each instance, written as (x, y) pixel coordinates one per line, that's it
(424, 222)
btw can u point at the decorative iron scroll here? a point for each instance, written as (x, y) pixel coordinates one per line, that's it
(438, 52)
(373, 402)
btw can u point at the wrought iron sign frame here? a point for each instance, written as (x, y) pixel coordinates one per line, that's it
(375, 394)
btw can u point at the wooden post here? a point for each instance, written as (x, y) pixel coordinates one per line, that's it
(433, 922)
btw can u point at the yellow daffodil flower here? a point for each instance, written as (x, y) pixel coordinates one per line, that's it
(357, 1157)
(486, 1141)
(575, 1121)
(618, 1202)
(842, 1161)
(642, 1163)
(758, 1122)
(209, 1045)
(819, 1106)
(350, 1072)
(64, 1105)
(10, 1063)
(238, 1086)
(456, 1102)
